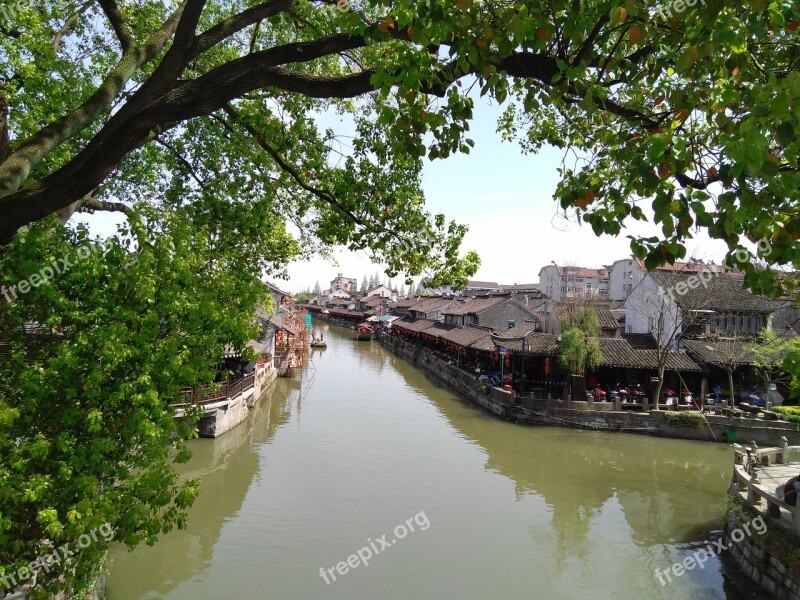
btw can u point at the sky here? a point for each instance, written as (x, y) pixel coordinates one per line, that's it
(506, 199)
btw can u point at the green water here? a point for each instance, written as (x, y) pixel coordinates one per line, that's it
(365, 442)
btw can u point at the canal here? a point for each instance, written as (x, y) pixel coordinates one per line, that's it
(471, 507)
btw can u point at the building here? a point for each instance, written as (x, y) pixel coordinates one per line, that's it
(383, 292)
(348, 285)
(670, 305)
(627, 273)
(430, 308)
(569, 282)
(496, 312)
(550, 314)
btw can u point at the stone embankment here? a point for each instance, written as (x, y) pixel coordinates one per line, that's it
(588, 415)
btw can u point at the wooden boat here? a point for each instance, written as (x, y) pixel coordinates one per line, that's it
(317, 342)
(364, 332)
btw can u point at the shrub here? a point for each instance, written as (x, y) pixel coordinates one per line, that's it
(690, 419)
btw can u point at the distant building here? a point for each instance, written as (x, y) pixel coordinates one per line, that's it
(348, 285)
(569, 283)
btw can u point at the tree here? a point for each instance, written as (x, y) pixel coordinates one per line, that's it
(579, 347)
(317, 290)
(364, 284)
(669, 316)
(92, 360)
(769, 352)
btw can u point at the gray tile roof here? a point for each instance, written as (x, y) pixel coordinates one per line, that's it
(475, 305)
(736, 352)
(620, 352)
(717, 292)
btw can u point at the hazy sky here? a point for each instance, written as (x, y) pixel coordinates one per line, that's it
(506, 199)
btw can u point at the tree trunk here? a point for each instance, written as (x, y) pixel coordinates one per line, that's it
(578, 387)
(730, 383)
(659, 386)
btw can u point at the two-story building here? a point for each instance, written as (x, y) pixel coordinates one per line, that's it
(671, 305)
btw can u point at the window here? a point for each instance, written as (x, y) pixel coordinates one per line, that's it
(602, 281)
(579, 279)
(570, 279)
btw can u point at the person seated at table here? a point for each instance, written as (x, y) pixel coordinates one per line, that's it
(790, 489)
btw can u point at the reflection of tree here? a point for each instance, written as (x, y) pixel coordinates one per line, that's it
(226, 467)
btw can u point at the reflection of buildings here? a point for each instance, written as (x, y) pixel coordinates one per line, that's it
(226, 467)
(659, 484)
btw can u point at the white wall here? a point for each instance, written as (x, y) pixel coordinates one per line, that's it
(646, 302)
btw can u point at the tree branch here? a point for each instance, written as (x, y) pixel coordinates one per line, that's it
(93, 204)
(118, 23)
(68, 23)
(323, 195)
(16, 168)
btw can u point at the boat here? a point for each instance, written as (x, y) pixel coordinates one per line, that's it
(364, 332)
(317, 342)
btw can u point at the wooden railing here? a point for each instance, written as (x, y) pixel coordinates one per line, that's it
(215, 392)
(242, 385)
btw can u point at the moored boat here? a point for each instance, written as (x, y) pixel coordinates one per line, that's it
(364, 332)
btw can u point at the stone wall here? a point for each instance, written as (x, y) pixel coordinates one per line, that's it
(590, 415)
(771, 560)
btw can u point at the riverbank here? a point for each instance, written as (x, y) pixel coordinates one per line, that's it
(588, 415)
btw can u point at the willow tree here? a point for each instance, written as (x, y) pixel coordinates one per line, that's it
(579, 347)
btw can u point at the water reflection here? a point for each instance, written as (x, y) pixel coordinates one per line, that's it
(367, 441)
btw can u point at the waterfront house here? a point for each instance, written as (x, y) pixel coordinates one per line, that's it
(627, 273)
(495, 312)
(674, 304)
(430, 308)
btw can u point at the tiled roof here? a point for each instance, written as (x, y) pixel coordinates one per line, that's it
(463, 336)
(339, 312)
(736, 352)
(536, 343)
(489, 285)
(430, 304)
(717, 293)
(416, 325)
(606, 318)
(520, 286)
(406, 303)
(619, 352)
(484, 343)
(474, 306)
